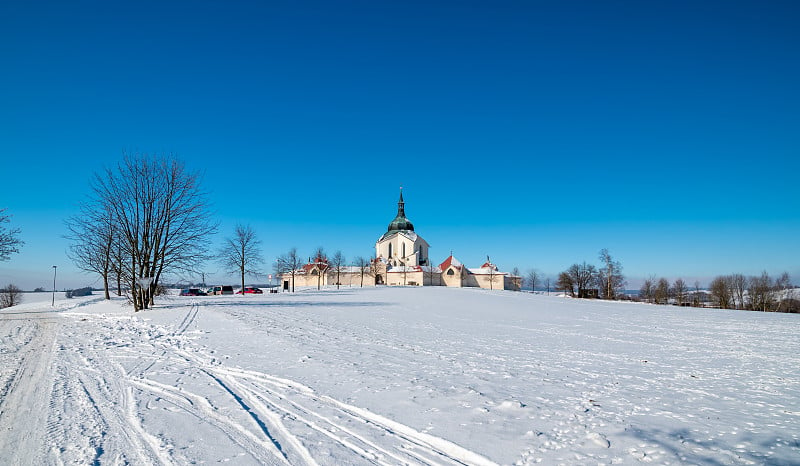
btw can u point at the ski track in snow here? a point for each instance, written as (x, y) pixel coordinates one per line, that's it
(394, 376)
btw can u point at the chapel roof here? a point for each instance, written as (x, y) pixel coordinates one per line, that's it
(451, 261)
(400, 222)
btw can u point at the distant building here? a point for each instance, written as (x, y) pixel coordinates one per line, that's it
(402, 259)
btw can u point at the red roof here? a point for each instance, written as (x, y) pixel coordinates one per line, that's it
(450, 261)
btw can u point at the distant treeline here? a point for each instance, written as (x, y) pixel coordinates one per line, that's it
(735, 291)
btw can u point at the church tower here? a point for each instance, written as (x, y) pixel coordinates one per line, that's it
(401, 245)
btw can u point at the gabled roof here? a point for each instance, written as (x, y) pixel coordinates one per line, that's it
(487, 265)
(451, 261)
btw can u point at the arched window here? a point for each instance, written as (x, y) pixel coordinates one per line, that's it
(390, 250)
(404, 250)
(450, 272)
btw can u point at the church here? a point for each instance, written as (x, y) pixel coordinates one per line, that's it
(402, 259)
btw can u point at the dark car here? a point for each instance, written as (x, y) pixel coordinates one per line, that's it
(192, 292)
(250, 290)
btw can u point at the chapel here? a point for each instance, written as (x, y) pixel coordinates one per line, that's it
(402, 259)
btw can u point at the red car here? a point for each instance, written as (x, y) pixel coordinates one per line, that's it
(250, 290)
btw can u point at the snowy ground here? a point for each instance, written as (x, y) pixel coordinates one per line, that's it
(396, 376)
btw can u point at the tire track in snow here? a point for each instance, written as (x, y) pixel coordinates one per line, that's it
(437, 447)
(25, 402)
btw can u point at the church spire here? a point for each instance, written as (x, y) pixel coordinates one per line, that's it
(401, 205)
(400, 222)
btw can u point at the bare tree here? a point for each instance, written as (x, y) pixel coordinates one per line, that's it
(375, 268)
(363, 267)
(11, 295)
(93, 237)
(321, 261)
(242, 253)
(161, 217)
(583, 277)
(532, 277)
(565, 283)
(760, 291)
(721, 291)
(679, 291)
(610, 276)
(738, 285)
(338, 263)
(288, 263)
(430, 271)
(493, 274)
(696, 298)
(547, 285)
(9, 239)
(783, 285)
(661, 291)
(647, 291)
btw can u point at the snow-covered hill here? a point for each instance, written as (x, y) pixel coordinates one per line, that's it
(396, 376)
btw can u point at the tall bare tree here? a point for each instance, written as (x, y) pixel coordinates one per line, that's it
(661, 291)
(431, 272)
(565, 283)
(738, 285)
(760, 290)
(610, 275)
(93, 237)
(532, 278)
(696, 298)
(647, 291)
(363, 267)
(783, 287)
(583, 277)
(321, 261)
(679, 291)
(721, 292)
(241, 254)
(288, 263)
(376, 267)
(9, 238)
(338, 263)
(161, 216)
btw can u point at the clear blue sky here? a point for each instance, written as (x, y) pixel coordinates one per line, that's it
(534, 132)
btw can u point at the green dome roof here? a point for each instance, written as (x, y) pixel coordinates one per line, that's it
(400, 222)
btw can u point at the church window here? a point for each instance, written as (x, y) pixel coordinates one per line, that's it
(450, 272)
(390, 250)
(404, 250)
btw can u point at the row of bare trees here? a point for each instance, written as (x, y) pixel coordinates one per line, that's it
(735, 291)
(289, 264)
(757, 293)
(144, 218)
(660, 291)
(585, 280)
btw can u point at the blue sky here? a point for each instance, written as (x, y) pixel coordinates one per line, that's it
(534, 132)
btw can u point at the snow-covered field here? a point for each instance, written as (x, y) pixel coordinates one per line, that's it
(396, 376)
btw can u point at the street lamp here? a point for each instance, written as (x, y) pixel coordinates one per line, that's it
(55, 268)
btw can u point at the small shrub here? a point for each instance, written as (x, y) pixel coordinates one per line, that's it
(11, 295)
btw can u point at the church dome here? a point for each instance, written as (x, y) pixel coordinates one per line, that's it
(400, 222)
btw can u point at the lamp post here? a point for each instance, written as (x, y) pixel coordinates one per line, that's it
(55, 269)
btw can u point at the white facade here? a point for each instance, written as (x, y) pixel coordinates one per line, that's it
(402, 248)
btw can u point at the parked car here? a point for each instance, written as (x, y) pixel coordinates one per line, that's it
(192, 292)
(250, 290)
(218, 290)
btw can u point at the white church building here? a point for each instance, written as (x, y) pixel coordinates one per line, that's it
(402, 259)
